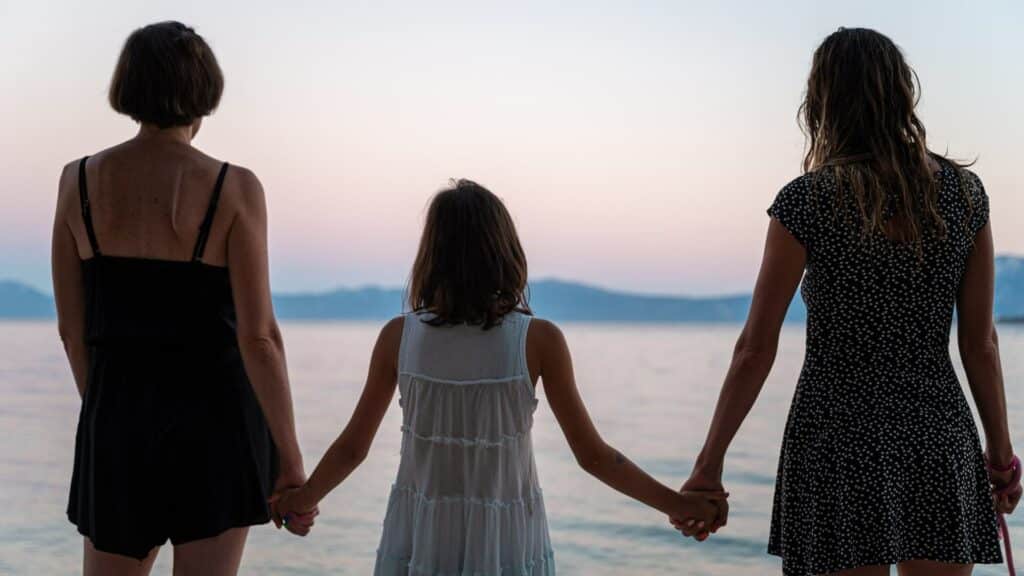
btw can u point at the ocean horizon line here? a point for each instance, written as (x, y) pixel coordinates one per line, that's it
(1013, 260)
(384, 287)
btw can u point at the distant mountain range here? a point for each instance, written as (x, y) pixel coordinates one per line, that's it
(555, 299)
(22, 301)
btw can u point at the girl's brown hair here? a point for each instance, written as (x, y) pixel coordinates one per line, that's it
(470, 267)
(859, 119)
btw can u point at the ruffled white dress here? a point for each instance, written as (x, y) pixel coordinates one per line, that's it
(466, 501)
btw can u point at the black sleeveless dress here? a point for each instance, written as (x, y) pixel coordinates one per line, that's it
(171, 442)
(881, 461)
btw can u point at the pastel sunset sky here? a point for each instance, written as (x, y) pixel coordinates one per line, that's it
(637, 143)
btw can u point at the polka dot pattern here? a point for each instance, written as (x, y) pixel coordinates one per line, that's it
(881, 461)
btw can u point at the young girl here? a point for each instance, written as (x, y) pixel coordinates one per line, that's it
(466, 361)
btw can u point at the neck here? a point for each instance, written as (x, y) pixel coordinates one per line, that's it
(180, 134)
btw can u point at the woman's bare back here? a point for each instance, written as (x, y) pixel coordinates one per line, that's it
(148, 197)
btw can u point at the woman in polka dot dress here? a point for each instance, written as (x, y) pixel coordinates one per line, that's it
(881, 462)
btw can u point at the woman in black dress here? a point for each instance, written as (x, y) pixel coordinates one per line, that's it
(163, 301)
(881, 463)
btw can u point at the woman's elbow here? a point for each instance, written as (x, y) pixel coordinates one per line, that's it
(265, 342)
(979, 350)
(754, 354)
(71, 338)
(976, 339)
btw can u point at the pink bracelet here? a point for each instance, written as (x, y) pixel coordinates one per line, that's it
(1014, 482)
(1014, 464)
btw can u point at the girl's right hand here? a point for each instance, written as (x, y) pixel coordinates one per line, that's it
(703, 481)
(698, 512)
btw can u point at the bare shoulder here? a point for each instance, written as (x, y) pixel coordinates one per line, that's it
(546, 348)
(389, 343)
(245, 178)
(70, 170)
(243, 191)
(69, 177)
(67, 188)
(392, 331)
(244, 181)
(544, 333)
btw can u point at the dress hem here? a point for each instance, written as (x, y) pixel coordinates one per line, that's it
(198, 535)
(890, 561)
(541, 561)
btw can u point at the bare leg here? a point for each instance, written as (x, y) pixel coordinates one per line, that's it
(96, 563)
(879, 570)
(217, 556)
(930, 568)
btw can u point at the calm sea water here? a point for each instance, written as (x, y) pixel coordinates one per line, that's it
(649, 388)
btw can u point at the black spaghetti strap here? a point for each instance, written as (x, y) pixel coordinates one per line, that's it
(83, 195)
(204, 228)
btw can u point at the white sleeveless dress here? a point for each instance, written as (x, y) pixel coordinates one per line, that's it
(467, 501)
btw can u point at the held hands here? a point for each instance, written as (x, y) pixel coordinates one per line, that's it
(1006, 486)
(708, 490)
(700, 513)
(287, 504)
(289, 509)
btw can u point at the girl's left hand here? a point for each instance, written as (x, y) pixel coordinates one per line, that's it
(290, 477)
(289, 509)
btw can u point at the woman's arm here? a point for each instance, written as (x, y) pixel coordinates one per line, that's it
(259, 338)
(68, 292)
(351, 447)
(782, 266)
(549, 357)
(979, 351)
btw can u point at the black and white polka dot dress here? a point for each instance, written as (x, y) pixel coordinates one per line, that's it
(881, 460)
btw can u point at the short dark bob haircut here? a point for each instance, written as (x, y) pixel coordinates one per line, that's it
(166, 75)
(470, 267)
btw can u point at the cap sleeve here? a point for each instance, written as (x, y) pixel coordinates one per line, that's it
(792, 208)
(979, 204)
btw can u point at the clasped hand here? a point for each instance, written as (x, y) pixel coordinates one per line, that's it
(288, 510)
(710, 502)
